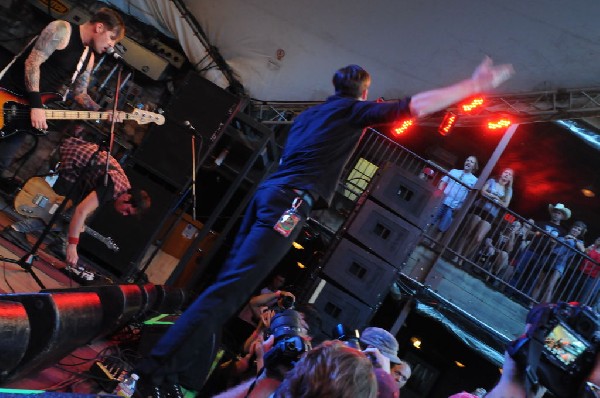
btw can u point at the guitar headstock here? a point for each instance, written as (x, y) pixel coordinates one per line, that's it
(110, 243)
(143, 117)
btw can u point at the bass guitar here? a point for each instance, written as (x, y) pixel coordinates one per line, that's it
(16, 114)
(37, 199)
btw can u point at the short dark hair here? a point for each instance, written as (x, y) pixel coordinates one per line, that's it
(140, 200)
(351, 80)
(111, 19)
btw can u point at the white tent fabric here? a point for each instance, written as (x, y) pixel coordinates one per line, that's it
(407, 46)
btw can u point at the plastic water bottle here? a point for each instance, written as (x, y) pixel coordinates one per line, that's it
(126, 388)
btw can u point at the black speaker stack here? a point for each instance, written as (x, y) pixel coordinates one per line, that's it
(372, 247)
(162, 166)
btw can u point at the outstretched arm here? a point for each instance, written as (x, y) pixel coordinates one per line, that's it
(486, 76)
(82, 211)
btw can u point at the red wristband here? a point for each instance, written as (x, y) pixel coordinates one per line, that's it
(73, 240)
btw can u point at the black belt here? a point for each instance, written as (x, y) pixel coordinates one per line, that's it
(304, 195)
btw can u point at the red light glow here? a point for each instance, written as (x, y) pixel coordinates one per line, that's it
(472, 105)
(499, 124)
(405, 125)
(447, 123)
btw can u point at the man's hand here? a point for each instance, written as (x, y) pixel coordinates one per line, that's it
(381, 359)
(72, 255)
(488, 76)
(38, 119)
(118, 118)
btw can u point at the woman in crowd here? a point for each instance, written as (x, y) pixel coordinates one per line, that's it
(563, 255)
(496, 194)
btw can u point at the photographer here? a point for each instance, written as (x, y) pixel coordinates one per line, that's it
(561, 369)
(289, 332)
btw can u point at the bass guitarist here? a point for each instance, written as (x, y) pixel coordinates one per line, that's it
(62, 56)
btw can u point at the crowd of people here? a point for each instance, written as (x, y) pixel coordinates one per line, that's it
(260, 357)
(535, 258)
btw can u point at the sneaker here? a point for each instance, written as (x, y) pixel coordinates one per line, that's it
(16, 237)
(172, 391)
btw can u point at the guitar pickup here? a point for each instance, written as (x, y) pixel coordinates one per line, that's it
(40, 200)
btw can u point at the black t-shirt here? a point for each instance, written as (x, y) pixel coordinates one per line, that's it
(543, 243)
(323, 138)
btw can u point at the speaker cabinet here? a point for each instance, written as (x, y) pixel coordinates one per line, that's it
(364, 275)
(336, 306)
(407, 195)
(167, 149)
(14, 335)
(60, 322)
(384, 233)
(131, 234)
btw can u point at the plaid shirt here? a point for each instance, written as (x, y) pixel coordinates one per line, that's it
(75, 154)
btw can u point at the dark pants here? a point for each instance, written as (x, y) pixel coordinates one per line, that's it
(188, 346)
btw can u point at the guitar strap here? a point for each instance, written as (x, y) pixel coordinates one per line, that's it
(17, 56)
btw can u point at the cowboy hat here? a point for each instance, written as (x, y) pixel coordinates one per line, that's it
(560, 207)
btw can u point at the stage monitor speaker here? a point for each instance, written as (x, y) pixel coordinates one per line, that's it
(384, 233)
(60, 322)
(14, 335)
(336, 306)
(131, 234)
(362, 274)
(167, 149)
(407, 195)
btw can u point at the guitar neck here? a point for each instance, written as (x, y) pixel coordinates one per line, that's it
(82, 115)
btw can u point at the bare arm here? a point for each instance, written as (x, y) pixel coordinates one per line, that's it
(80, 88)
(82, 211)
(54, 37)
(486, 76)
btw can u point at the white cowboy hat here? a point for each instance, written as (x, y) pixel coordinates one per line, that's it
(560, 207)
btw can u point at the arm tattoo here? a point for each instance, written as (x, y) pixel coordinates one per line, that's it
(53, 36)
(80, 88)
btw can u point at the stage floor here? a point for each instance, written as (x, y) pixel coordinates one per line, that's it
(68, 375)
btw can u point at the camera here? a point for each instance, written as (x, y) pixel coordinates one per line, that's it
(350, 337)
(286, 327)
(563, 341)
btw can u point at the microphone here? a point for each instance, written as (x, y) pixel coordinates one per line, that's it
(111, 51)
(189, 125)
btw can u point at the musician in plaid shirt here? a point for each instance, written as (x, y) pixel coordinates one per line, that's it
(83, 164)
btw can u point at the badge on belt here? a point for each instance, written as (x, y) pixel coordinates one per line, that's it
(289, 219)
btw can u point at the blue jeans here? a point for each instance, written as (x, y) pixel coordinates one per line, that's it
(188, 346)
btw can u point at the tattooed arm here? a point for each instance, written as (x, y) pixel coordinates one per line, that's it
(80, 88)
(54, 37)
(81, 95)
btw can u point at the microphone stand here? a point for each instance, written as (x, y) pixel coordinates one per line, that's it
(111, 139)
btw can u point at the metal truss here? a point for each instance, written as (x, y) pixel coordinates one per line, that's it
(541, 106)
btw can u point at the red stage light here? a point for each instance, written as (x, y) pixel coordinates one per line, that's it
(405, 125)
(447, 123)
(497, 124)
(472, 105)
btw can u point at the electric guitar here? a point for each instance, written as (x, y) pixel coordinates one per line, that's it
(15, 114)
(37, 199)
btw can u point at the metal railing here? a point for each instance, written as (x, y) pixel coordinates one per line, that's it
(514, 256)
